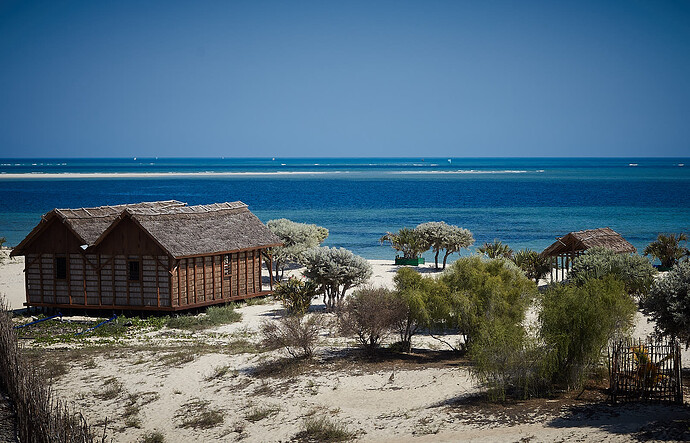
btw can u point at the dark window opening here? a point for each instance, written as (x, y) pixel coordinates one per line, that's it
(61, 268)
(134, 270)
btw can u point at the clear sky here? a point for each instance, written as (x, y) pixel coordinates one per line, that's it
(348, 78)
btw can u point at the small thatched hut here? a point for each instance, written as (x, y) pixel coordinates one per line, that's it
(161, 255)
(572, 245)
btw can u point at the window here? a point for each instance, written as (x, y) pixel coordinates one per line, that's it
(61, 268)
(227, 269)
(134, 270)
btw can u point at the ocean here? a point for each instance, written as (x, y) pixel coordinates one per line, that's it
(524, 202)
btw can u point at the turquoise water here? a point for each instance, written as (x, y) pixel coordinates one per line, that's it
(524, 202)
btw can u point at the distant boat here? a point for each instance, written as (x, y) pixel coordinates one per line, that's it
(681, 164)
(632, 164)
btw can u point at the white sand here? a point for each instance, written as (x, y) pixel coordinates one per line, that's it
(395, 403)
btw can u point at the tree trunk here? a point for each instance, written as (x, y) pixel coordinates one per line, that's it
(445, 257)
(436, 259)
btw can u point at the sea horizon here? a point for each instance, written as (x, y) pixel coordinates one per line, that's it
(524, 201)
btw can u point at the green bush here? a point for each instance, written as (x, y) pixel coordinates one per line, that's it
(476, 292)
(296, 295)
(636, 272)
(412, 292)
(668, 303)
(578, 321)
(509, 362)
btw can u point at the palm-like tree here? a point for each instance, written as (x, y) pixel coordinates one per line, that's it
(497, 249)
(667, 249)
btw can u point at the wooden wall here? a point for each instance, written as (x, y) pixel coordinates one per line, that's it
(98, 281)
(210, 279)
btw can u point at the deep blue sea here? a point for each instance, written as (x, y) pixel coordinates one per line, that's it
(525, 202)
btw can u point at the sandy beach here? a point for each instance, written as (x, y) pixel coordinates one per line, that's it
(154, 382)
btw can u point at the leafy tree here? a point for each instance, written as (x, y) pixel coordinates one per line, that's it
(442, 236)
(296, 294)
(578, 321)
(534, 265)
(478, 293)
(412, 292)
(668, 303)
(334, 271)
(668, 249)
(297, 238)
(370, 314)
(635, 271)
(410, 242)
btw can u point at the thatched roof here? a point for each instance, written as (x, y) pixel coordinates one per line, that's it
(179, 229)
(583, 240)
(204, 229)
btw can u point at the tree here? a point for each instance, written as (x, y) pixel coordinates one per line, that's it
(408, 241)
(441, 236)
(668, 303)
(636, 272)
(297, 238)
(534, 265)
(335, 270)
(667, 249)
(497, 249)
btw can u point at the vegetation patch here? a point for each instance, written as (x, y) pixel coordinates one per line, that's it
(198, 415)
(259, 413)
(214, 316)
(323, 429)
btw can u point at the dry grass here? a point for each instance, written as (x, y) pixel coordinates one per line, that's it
(259, 413)
(198, 415)
(323, 429)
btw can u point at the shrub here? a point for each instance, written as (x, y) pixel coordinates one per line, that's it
(497, 249)
(534, 265)
(578, 321)
(296, 295)
(412, 294)
(297, 238)
(334, 271)
(410, 242)
(668, 303)
(477, 291)
(370, 314)
(442, 236)
(667, 249)
(509, 362)
(636, 272)
(296, 334)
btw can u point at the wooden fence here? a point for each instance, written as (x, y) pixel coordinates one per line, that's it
(645, 370)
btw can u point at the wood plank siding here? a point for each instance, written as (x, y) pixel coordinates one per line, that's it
(199, 281)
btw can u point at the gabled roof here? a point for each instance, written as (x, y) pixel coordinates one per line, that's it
(583, 240)
(179, 229)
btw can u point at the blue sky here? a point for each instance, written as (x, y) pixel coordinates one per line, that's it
(372, 78)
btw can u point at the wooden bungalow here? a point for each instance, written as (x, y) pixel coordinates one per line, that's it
(572, 245)
(163, 255)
